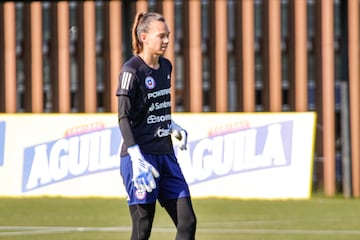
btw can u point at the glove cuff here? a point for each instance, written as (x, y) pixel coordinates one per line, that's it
(134, 149)
(175, 126)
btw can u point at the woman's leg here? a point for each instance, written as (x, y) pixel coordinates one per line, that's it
(182, 214)
(141, 204)
(142, 216)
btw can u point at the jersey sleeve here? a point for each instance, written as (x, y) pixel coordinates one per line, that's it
(124, 92)
(124, 125)
(126, 83)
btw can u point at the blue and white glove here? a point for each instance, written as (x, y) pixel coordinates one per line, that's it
(144, 173)
(180, 134)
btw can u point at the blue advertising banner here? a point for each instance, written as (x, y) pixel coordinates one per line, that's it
(2, 143)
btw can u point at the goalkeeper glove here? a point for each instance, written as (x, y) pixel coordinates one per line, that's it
(144, 173)
(180, 134)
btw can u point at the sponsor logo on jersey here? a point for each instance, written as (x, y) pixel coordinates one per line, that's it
(2, 143)
(159, 93)
(70, 157)
(162, 132)
(252, 149)
(150, 82)
(157, 119)
(159, 105)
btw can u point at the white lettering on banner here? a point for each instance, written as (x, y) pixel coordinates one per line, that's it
(41, 168)
(274, 149)
(156, 119)
(159, 93)
(246, 150)
(202, 164)
(72, 157)
(224, 164)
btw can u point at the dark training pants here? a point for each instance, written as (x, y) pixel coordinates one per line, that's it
(180, 210)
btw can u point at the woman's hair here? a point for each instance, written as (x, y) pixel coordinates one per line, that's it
(140, 25)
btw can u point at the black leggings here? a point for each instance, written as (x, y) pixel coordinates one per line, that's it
(180, 211)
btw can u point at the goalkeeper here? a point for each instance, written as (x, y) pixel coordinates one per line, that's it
(149, 168)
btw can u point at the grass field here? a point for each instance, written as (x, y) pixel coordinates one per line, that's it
(97, 218)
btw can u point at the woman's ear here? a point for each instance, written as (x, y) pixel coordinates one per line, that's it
(143, 38)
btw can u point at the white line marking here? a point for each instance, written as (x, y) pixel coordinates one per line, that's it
(38, 230)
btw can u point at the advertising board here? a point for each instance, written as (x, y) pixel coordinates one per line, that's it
(238, 155)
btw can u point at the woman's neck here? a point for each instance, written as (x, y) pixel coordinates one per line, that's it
(151, 60)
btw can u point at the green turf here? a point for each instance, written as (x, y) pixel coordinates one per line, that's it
(96, 218)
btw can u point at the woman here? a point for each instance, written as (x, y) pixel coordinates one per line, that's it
(149, 167)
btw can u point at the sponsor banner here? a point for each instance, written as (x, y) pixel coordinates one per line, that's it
(2, 142)
(259, 155)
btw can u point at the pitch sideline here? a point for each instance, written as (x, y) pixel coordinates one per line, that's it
(39, 230)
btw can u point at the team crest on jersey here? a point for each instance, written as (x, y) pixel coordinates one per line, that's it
(140, 194)
(150, 82)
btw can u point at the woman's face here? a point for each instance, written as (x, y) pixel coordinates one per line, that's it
(156, 39)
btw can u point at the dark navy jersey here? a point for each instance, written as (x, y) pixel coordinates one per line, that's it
(150, 111)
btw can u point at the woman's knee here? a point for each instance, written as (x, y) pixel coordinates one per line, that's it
(142, 220)
(187, 221)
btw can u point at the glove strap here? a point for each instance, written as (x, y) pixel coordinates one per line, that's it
(175, 126)
(134, 149)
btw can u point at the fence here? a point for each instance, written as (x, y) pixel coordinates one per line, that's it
(239, 56)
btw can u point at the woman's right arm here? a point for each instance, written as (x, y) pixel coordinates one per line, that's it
(124, 105)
